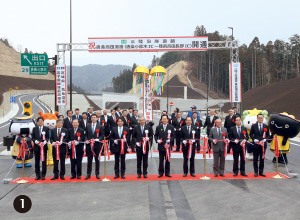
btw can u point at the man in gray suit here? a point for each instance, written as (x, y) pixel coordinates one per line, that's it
(216, 138)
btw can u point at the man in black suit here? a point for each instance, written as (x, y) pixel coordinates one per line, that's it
(59, 136)
(119, 138)
(113, 120)
(174, 114)
(118, 111)
(98, 116)
(130, 113)
(105, 122)
(141, 136)
(197, 123)
(84, 122)
(76, 137)
(235, 113)
(90, 112)
(188, 136)
(229, 123)
(134, 119)
(210, 123)
(126, 123)
(164, 135)
(95, 134)
(165, 113)
(259, 133)
(239, 135)
(77, 115)
(40, 137)
(68, 120)
(178, 123)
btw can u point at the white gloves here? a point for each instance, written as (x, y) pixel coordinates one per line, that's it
(147, 138)
(179, 129)
(53, 143)
(256, 141)
(76, 142)
(97, 139)
(264, 140)
(138, 144)
(60, 143)
(184, 142)
(159, 141)
(36, 142)
(244, 141)
(193, 141)
(236, 141)
(45, 142)
(215, 141)
(115, 141)
(201, 127)
(167, 141)
(87, 141)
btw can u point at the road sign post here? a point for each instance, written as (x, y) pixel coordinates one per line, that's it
(34, 64)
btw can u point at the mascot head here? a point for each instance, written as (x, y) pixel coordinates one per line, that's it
(49, 119)
(284, 124)
(22, 125)
(250, 117)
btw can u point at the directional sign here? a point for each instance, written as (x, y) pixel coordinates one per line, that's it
(12, 99)
(34, 64)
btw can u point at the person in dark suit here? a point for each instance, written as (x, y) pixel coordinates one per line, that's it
(105, 121)
(118, 111)
(126, 123)
(94, 131)
(134, 119)
(210, 123)
(150, 123)
(90, 112)
(197, 123)
(113, 120)
(77, 115)
(229, 123)
(238, 135)
(162, 114)
(40, 137)
(84, 122)
(140, 133)
(76, 136)
(119, 138)
(188, 136)
(235, 113)
(68, 120)
(178, 123)
(259, 132)
(174, 115)
(216, 137)
(164, 135)
(60, 135)
(130, 113)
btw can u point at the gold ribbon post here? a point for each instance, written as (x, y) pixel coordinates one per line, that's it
(22, 180)
(105, 153)
(204, 150)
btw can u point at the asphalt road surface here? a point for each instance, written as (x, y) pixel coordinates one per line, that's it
(212, 199)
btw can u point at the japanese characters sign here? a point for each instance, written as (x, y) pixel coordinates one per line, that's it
(148, 44)
(148, 114)
(61, 85)
(235, 82)
(34, 64)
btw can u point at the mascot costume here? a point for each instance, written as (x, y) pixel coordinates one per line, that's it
(250, 118)
(50, 122)
(21, 127)
(283, 127)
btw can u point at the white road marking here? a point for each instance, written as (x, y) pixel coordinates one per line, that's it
(5, 125)
(38, 104)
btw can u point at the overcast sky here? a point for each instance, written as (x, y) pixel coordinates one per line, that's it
(39, 24)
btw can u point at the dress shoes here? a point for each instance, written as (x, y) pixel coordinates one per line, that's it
(62, 178)
(168, 175)
(262, 174)
(193, 175)
(78, 177)
(123, 176)
(216, 175)
(145, 176)
(98, 176)
(54, 178)
(42, 178)
(87, 177)
(73, 177)
(37, 178)
(244, 174)
(235, 174)
(160, 175)
(116, 176)
(256, 174)
(139, 176)
(184, 175)
(222, 175)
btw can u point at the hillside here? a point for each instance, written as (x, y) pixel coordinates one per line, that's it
(275, 98)
(93, 77)
(10, 64)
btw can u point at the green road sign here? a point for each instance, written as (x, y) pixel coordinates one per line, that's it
(34, 64)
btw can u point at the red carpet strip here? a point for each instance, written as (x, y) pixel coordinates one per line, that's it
(150, 178)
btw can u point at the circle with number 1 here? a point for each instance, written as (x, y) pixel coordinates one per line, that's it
(22, 204)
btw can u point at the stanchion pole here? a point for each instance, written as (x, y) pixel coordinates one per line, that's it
(105, 153)
(277, 176)
(205, 177)
(22, 180)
